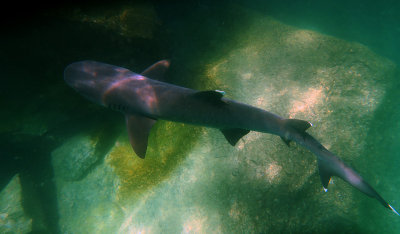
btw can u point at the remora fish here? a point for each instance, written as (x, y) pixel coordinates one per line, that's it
(144, 99)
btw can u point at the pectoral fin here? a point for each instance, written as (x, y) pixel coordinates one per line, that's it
(233, 135)
(139, 130)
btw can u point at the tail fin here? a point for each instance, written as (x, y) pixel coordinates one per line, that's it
(330, 165)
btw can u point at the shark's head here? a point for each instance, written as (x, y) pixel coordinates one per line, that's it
(93, 79)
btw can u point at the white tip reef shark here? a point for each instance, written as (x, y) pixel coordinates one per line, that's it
(144, 98)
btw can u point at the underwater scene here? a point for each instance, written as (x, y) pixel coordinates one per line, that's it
(196, 148)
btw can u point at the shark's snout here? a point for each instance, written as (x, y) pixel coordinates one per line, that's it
(78, 75)
(86, 78)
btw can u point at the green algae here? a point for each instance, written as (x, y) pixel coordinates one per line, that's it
(168, 146)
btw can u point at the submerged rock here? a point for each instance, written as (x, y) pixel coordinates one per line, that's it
(89, 205)
(73, 159)
(132, 21)
(12, 215)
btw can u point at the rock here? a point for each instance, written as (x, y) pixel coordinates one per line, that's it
(133, 21)
(12, 216)
(73, 159)
(90, 205)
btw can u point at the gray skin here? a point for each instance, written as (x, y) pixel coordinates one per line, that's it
(144, 100)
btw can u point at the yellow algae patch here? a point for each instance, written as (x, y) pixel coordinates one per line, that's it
(214, 69)
(169, 144)
(212, 73)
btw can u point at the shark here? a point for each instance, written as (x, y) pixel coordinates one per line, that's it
(145, 98)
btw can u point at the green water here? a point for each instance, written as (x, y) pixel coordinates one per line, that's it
(333, 63)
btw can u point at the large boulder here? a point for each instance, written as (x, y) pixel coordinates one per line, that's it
(193, 181)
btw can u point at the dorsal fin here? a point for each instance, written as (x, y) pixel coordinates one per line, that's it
(213, 96)
(233, 135)
(300, 125)
(139, 130)
(157, 70)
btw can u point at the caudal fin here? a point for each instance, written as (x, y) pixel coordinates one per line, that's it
(330, 165)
